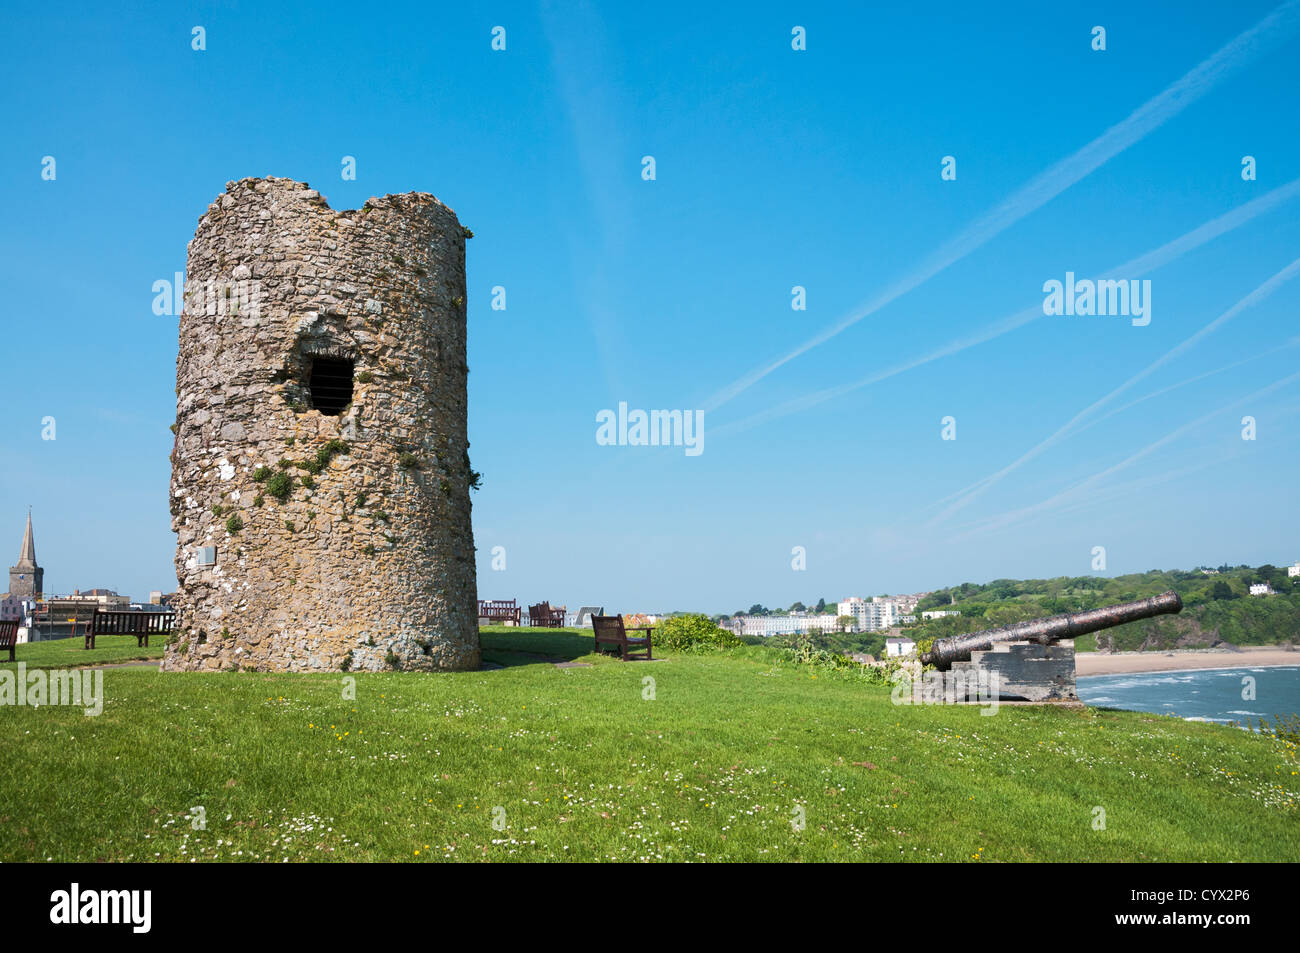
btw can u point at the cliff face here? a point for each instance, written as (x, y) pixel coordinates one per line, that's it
(320, 474)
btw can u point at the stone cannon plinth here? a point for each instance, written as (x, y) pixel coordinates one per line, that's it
(1032, 661)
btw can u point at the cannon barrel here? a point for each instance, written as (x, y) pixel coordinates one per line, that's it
(958, 648)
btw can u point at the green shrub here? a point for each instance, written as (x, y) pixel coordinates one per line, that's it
(1284, 728)
(408, 461)
(693, 633)
(280, 486)
(234, 524)
(323, 456)
(924, 644)
(331, 450)
(365, 377)
(802, 649)
(806, 653)
(262, 474)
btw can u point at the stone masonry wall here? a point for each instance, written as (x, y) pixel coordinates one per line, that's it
(367, 562)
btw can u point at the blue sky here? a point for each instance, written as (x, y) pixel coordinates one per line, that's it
(775, 168)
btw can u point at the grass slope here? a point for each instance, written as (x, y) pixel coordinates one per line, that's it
(585, 767)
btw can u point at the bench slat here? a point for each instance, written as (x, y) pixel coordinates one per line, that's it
(128, 622)
(9, 636)
(503, 610)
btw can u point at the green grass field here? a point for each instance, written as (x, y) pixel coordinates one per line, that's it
(69, 653)
(581, 764)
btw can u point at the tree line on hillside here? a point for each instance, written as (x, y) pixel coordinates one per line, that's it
(1217, 607)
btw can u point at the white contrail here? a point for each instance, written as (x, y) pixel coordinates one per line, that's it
(1143, 264)
(1107, 495)
(1023, 512)
(1191, 380)
(1255, 296)
(1048, 184)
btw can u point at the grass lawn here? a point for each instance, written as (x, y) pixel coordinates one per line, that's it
(69, 653)
(580, 764)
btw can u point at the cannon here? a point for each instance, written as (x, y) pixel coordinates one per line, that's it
(958, 648)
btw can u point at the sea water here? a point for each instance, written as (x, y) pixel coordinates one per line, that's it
(1212, 694)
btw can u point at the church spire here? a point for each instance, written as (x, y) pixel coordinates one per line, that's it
(28, 556)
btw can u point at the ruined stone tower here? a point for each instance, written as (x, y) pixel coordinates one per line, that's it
(320, 474)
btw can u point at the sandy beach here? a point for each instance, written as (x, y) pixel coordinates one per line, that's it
(1119, 663)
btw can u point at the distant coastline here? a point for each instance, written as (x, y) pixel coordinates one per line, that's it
(1122, 663)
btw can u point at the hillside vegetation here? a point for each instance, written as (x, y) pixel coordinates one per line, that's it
(1217, 608)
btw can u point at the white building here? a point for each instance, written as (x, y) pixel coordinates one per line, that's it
(766, 625)
(1293, 571)
(854, 606)
(885, 613)
(1261, 589)
(940, 613)
(897, 648)
(882, 612)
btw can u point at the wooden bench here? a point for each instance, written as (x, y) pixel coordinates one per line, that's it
(545, 616)
(499, 610)
(610, 630)
(129, 622)
(9, 636)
